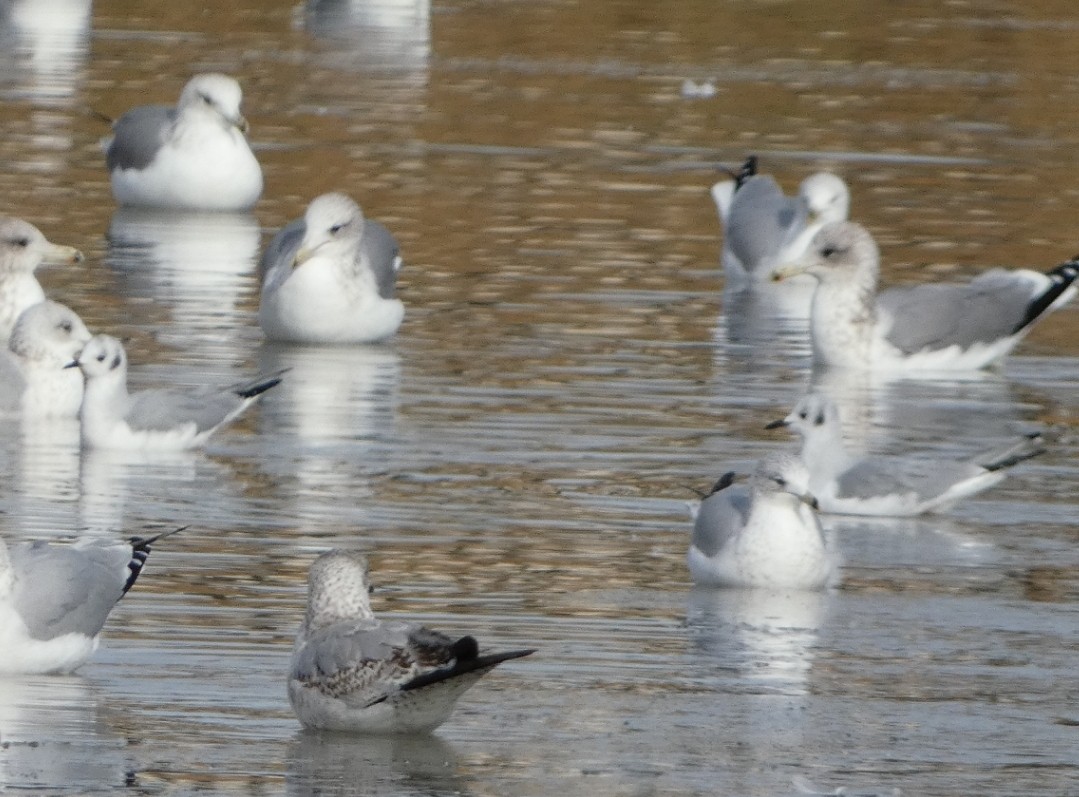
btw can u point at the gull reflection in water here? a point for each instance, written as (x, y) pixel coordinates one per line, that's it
(46, 485)
(388, 33)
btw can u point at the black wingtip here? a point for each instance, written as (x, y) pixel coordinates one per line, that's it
(749, 169)
(260, 384)
(465, 666)
(140, 552)
(1061, 278)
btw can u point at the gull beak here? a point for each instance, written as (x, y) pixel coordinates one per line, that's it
(303, 254)
(809, 500)
(777, 424)
(791, 270)
(241, 124)
(73, 364)
(61, 254)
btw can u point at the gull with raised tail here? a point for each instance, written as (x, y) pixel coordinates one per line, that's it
(353, 672)
(190, 157)
(22, 249)
(55, 599)
(158, 419)
(764, 534)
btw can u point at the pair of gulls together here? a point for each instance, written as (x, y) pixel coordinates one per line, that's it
(350, 671)
(194, 156)
(770, 237)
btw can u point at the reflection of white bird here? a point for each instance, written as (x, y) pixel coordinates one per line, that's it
(761, 535)
(352, 672)
(888, 485)
(329, 278)
(153, 419)
(763, 229)
(192, 157)
(22, 249)
(54, 599)
(927, 327)
(34, 378)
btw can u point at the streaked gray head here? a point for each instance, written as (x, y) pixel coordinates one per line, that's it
(216, 93)
(49, 332)
(781, 472)
(333, 227)
(843, 251)
(23, 248)
(826, 196)
(813, 413)
(337, 589)
(102, 356)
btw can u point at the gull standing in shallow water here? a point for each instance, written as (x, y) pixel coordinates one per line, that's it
(764, 229)
(924, 328)
(54, 599)
(22, 249)
(761, 535)
(191, 157)
(163, 420)
(34, 378)
(329, 277)
(889, 486)
(353, 672)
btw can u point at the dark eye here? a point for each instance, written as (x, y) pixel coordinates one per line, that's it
(780, 481)
(20, 242)
(66, 326)
(336, 229)
(828, 251)
(101, 357)
(820, 420)
(206, 99)
(802, 415)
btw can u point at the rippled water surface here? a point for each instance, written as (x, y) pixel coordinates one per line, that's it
(517, 461)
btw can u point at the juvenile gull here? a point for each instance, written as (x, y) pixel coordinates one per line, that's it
(763, 534)
(34, 378)
(764, 229)
(928, 327)
(54, 599)
(329, 277)
(191, 157)
(22, 249)
(353, 672)
(160, 419)
(889, 486)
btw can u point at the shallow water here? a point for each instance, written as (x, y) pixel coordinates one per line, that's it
(517, 461)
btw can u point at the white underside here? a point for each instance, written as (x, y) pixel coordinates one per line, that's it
(52, 392)
(906, 504)
(117, 435)
(16, 294)
(21, 655)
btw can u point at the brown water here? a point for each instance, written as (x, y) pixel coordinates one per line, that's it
(516, 461)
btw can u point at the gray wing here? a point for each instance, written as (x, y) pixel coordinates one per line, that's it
(363, 662)
(65, 589)
(138, 135)
(12, 382)
(379, 249)
(162, 410)
(991, 307)
(761, 220)
(874, 477)
(720, 516)
(281, 251)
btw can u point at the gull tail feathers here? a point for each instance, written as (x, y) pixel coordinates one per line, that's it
(1023, 449)
(1061, 279)
(140, 552)
(467, 660)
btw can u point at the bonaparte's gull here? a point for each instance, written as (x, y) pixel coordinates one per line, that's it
(34, 378)
(353, 672)
(329, 277)
(22, 249)
(764, 534)
(928, 327)
(191, 157)
(891, 486)
(54, 599)
(162, 419)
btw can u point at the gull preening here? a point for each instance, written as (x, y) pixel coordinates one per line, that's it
(191, 157)
(889, 486)
(55, 599)
(353, 672)
(923, 328)
(329, 277)
(35, 380)
(763, 229)
(160, 419)
(763, 534)
(22, 249)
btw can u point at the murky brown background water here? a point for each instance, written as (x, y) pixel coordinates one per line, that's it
(516, 460)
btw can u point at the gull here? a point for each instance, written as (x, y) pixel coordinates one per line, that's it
(54, 599)
(924, 328)
(34, 378)
(763, 229)
(329, 277)
(160, 419)
(353, 672)
(763, 534)
(889, 486)
(191, 157)
(22, 249)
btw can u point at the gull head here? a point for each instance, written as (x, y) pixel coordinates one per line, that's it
(215, 94)
(783, 472)
(333, 227)
(48, 332)
(23, 248)
(842, 252)
(337, 589)
(101, 356)
(826, 197)
(813, 413)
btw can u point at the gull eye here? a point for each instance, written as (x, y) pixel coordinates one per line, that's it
(206, 99)
(780, 481)
(66, 326)
(337, 228)
(116, 363)
(20, 242)
(828, 251)
(820, 420)
(803, 415)
(101, 357)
